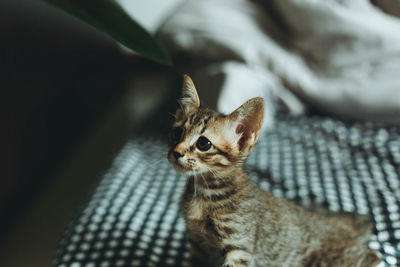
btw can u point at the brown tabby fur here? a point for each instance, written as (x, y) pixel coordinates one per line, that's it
(230, 220)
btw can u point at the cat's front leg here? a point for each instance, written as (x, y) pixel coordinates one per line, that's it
(195, 261)
(238, 258)
(197, 255)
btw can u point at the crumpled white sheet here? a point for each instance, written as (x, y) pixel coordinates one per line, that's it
(342, 57)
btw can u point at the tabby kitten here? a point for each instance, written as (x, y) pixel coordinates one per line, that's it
(230, 220)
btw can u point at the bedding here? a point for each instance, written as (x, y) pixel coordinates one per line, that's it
(333, 55)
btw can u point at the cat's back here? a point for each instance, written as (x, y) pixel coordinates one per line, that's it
(345, 242)
(297, 237)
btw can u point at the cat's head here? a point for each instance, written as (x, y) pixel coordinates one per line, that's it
(203, 140)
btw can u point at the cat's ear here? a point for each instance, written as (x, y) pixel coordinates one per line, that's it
(247, 120)
(190, 101)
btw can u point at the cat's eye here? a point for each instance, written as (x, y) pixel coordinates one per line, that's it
(203, 143)
(176, 134)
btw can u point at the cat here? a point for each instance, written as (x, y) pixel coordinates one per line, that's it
(230, 221)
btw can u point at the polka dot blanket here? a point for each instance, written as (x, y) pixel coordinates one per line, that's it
(132, 217)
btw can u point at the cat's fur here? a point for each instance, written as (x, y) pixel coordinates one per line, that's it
(230, 220)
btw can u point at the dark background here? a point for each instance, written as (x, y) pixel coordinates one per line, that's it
(58, 77)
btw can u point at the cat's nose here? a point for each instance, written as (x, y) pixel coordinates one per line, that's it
(177, 155)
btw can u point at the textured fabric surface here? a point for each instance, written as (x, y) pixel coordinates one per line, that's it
(132, 217)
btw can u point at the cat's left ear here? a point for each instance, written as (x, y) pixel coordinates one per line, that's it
(190, 101)
(248, 119)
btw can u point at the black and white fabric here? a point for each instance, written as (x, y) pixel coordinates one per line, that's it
(132, 217)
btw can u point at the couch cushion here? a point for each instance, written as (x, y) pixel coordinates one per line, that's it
(132, 217)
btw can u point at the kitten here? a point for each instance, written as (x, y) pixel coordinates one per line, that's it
(230, 220)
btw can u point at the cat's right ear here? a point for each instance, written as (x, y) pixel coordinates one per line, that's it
(248, 119)
(190, 101)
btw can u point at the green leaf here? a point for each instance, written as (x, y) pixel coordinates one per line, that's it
(109, 17)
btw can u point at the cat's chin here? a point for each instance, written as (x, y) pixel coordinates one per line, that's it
(180, 168)
(185, 171)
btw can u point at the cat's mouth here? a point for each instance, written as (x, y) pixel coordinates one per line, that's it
(185, 170)
(180, 165)
(180, 168)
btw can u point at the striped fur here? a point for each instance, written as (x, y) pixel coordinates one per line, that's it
(230, 221)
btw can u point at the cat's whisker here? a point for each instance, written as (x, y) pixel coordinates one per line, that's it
(206, 185)
(211, 171)
(214, 174)
(205, 181)
(154, 161)
(163, 154)
(194, 183)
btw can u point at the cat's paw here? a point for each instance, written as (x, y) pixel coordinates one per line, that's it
(240, 263)
(237, 258)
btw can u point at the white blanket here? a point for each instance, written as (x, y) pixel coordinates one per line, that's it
(342, 57)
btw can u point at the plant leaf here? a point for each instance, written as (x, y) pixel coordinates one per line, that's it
(109, 17)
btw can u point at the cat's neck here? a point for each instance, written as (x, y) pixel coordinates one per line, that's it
(209, 184)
